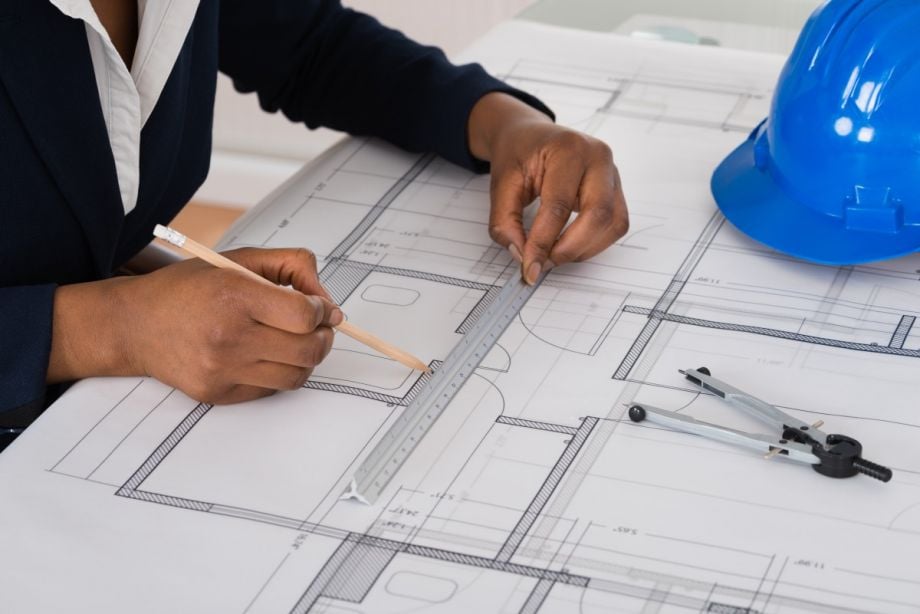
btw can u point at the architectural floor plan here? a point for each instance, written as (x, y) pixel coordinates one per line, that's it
(533, 492)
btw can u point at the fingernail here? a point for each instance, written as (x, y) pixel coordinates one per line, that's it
(533, 273)
(337, 317)
(515, 253)
(535, 270)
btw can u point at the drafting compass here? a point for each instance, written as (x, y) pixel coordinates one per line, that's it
(835, 456)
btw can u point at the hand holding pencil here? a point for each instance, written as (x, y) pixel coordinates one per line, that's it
(219, 335)
(312, 285)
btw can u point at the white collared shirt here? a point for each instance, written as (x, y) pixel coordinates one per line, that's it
(128, 98)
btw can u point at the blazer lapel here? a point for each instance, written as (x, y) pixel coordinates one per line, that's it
(46, 69)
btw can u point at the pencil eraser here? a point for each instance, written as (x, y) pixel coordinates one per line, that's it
(169, 235)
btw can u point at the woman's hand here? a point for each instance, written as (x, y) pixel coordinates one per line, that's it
(215, 334)
(531, 156)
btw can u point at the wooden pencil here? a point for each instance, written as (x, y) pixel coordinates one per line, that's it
(174, 237)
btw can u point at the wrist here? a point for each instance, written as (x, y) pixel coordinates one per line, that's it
(494, 113)
(90, 328)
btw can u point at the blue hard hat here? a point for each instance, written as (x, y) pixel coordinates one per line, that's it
(833, 174)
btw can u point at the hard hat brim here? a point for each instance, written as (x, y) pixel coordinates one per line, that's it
(752, 201)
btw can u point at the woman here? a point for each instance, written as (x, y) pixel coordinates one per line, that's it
(105, 123)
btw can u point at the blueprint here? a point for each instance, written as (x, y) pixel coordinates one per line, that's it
(533, 492)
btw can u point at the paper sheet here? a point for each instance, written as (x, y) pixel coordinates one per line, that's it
(533, 493)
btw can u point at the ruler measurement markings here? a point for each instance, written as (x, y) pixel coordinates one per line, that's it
(398, 443)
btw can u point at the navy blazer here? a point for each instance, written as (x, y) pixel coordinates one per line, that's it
(61, 216)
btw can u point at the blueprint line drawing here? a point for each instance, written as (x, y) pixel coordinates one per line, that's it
(533, 492)
(522, 528)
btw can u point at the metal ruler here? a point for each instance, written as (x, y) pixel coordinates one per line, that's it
(423, 411)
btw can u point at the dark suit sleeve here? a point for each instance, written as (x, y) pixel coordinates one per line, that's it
(25, 347)
(326, 65)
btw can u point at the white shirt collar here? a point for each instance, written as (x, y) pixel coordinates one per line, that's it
(128, 97)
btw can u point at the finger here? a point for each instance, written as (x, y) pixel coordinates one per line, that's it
(602, 220)
(295, 267)
(274, 376)
(558, 197)
(510, 195)
(296, 350)
(287, 309)
(239, 394)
